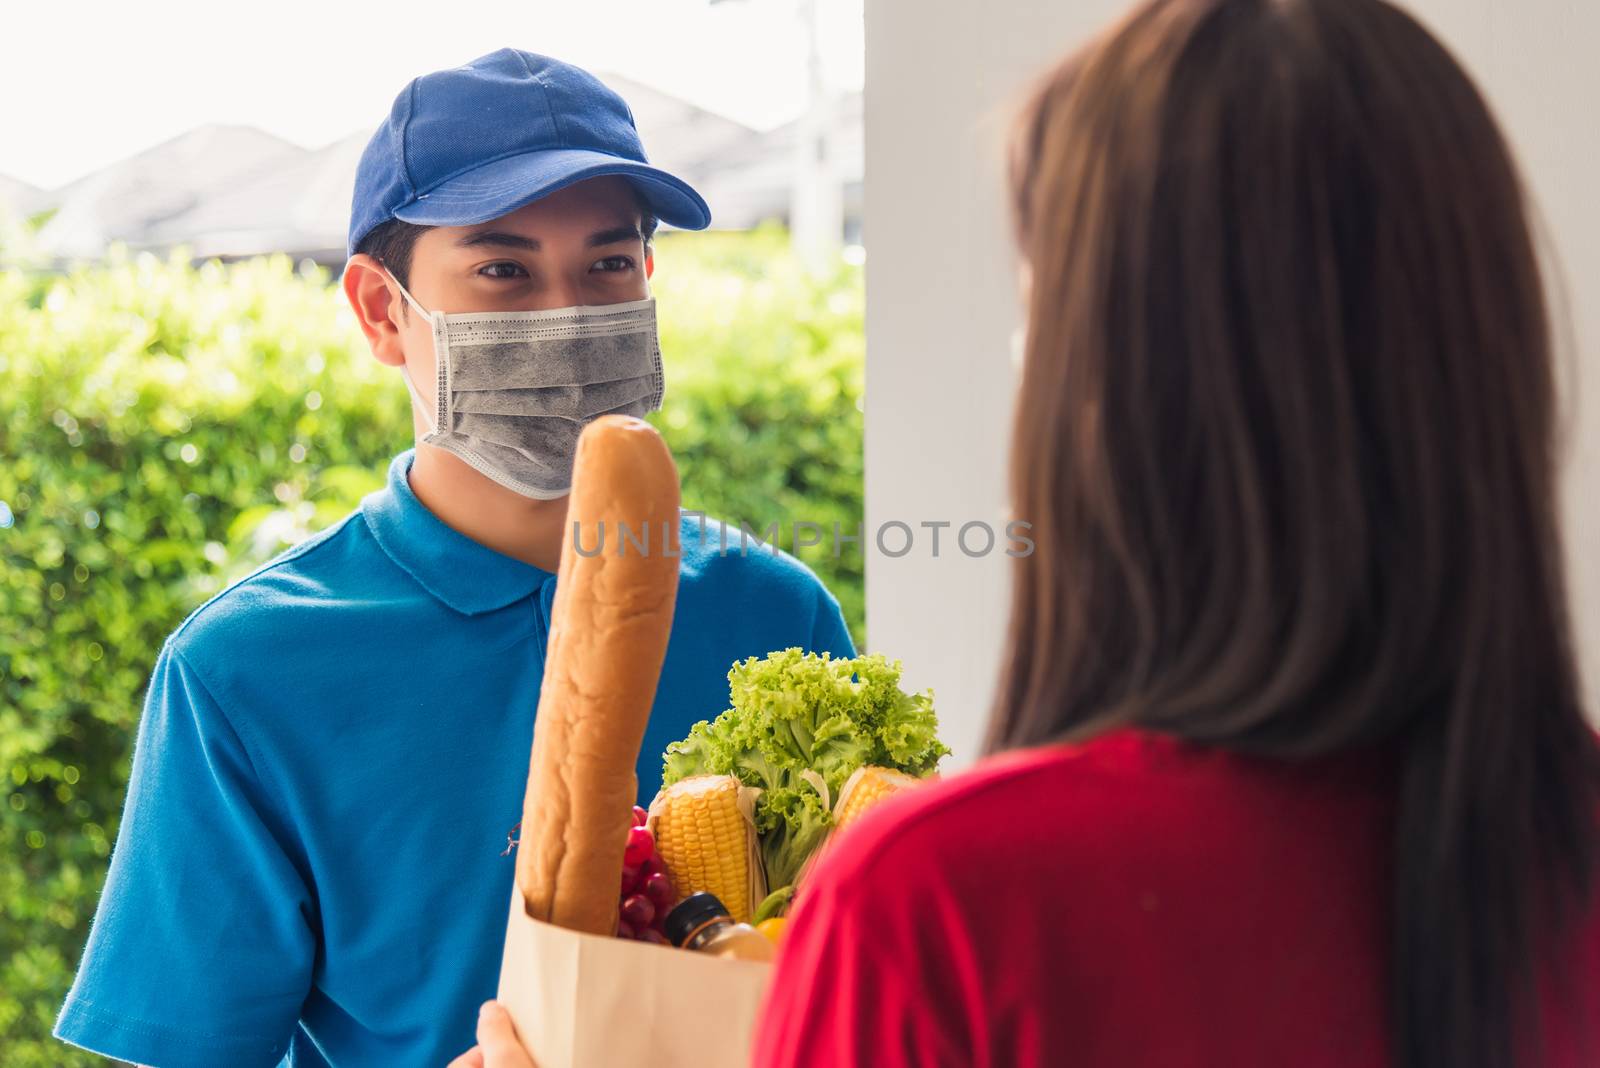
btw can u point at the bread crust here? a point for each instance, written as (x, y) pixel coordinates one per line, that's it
(608, 637)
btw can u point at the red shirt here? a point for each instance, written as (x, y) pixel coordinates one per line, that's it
(1132, 901)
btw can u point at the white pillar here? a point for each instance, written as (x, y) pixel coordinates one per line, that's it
(941, 306)
(941, 303)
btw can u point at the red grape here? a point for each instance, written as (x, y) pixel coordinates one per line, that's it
(641, 847)
(625, 929)
(640, 816)
(638, 910)
(631, 878)
(650, 934)
(658, 888)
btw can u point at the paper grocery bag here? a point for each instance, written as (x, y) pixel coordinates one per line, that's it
(581, 1001)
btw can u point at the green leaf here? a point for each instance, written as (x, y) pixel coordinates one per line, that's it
(146, 355)
(796, 715)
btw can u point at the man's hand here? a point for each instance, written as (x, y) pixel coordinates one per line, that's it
(498, 1045)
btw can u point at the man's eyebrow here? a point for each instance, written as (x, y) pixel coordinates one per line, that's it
(498, 239)
(615, 236)
(503, 239)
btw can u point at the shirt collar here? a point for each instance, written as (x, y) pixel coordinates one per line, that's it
(466, 575)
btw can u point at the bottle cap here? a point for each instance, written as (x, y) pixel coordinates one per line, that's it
(691, 914)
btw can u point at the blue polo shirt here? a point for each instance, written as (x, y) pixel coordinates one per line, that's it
(332, 751)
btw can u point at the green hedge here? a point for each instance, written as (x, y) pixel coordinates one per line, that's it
(164, 429)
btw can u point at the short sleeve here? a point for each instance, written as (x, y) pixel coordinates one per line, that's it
(857, 983)
(828, 631)
(202, 945)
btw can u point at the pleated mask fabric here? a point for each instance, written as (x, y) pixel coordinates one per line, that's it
(514, 389)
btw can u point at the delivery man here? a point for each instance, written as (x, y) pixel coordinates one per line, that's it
(333, 749)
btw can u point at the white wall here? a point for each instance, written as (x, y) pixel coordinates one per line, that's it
(940, 81)
(940, 78)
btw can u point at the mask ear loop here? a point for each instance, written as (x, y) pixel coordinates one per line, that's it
(406, 293)
(437, 322)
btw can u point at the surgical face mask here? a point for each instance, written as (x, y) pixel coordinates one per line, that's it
(514, 389)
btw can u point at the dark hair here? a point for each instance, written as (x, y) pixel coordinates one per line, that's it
(1285, 433)
(393, 241)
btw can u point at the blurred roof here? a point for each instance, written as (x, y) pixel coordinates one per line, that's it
(237, 191)
(750, 182)
(20, 199)
(299, 204)
(125, 201)
(679, 136)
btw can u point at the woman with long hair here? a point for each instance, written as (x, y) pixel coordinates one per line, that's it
(1290, 761)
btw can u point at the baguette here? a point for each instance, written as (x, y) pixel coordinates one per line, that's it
(608, 637)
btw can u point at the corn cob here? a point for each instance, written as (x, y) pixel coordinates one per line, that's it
(706, 836)
(864, 789)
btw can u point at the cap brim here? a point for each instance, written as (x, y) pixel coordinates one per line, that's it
(504, 185)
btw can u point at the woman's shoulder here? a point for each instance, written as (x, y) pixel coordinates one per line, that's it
(1122, 793)
(987, 805)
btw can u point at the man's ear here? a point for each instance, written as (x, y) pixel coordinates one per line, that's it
(649, 263)
(367, 288)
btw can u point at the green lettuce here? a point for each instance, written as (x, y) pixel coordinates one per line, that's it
(800, 725)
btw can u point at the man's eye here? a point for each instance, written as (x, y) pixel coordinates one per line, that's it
(614, 263)
(503, 270)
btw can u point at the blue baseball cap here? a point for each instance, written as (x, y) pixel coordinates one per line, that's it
(475, 142)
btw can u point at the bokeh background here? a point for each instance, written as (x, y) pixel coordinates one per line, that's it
(168, 427)
(184, 393)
